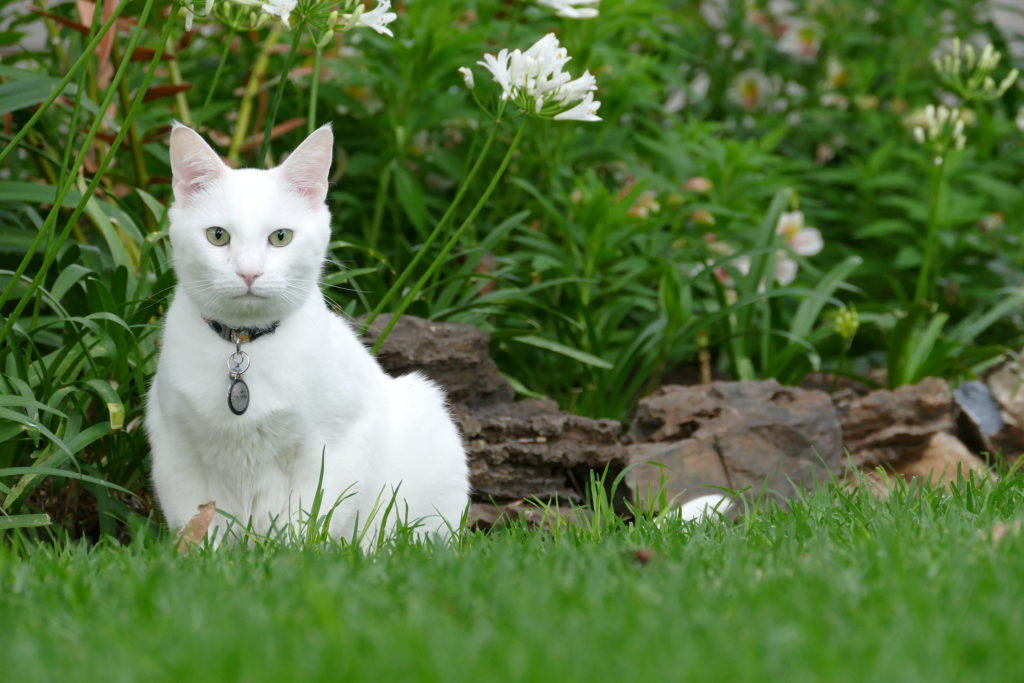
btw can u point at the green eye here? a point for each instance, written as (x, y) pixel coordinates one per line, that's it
(218, 236)
(281, 237)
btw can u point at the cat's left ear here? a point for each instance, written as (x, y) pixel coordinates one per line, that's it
(306, 170)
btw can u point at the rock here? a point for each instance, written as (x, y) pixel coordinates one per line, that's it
(1007, 386)
(454, 355)
(517, 449)
(886, 427)
(488, 515)
(531, 449)
(936, 462)
(734, 435)
(941, 459)
(980, 420)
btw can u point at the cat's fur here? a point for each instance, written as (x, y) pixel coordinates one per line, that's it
(317, 395)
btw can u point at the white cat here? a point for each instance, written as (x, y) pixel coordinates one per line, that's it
(248, 250)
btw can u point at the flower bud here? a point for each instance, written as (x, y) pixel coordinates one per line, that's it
(846, 323)
(698, 184)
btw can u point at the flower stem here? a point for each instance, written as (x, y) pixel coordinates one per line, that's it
(216, 77)
(252, 88)
(314, 87)
(268, 125)
(70, 178)
(925, 276)
(88, 51)
(839, 367)
(454, 239)
(441, 225)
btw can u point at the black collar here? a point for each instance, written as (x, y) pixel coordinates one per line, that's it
(237, 335)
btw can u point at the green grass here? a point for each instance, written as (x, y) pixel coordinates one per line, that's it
(838, 588)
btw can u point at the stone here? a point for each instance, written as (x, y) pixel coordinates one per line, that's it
(887, 427)
(517, 449)
(735, 435)
(980, 419)
(937, 462)
(1007, 386)
(488, 515)
(454, 355)
(531, 449)
(941, 459)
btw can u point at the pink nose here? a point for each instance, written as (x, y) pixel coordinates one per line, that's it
(249, 278)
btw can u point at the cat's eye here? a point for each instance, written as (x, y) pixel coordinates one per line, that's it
(281, 237)
(218, 236)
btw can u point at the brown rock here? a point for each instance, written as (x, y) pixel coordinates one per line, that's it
(1007, 386)
(735, 435)
(454, 355)
(530, 449)
(487, 515)
(886, 427)
(941, 459)
(938, 462)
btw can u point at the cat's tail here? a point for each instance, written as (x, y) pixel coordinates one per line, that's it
(705, 507)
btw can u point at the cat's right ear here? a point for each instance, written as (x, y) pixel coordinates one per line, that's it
(194, 166)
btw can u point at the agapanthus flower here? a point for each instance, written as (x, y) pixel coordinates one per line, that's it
(279, 8)
(191, 13)
(571, 9)
(942, 128)
(535, 82)
(378, 18)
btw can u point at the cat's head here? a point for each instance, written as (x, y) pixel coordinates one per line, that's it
(249, 244)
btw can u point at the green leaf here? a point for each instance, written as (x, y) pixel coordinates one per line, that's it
(410, 196)
(54, 472)
(26, 89)
(810, 308)
(23, 521)
(115, 408)
(575, 354)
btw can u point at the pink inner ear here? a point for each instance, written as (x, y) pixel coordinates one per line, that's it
(306, 169)
(194, 165)
(197, 176)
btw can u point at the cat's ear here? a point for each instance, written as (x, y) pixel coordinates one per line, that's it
(194, 166)
(307, 169)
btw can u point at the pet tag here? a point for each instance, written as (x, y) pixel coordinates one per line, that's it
(238, 396)
(238, 392)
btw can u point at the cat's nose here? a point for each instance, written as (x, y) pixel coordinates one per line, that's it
(249, 278)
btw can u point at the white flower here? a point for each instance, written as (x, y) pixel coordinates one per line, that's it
(570, 9)
(535, 81)
(801, 239)
(751, 88)
(785, 269)
(279, 8)
(467, 76)
(586, 110)
(191, 13)
(801, 39)
(498, 66)
(1019, 119)
(378, 18)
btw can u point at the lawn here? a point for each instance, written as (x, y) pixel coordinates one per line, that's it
(840, 587)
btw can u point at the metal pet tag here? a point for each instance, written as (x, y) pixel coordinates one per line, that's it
(238, 396)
